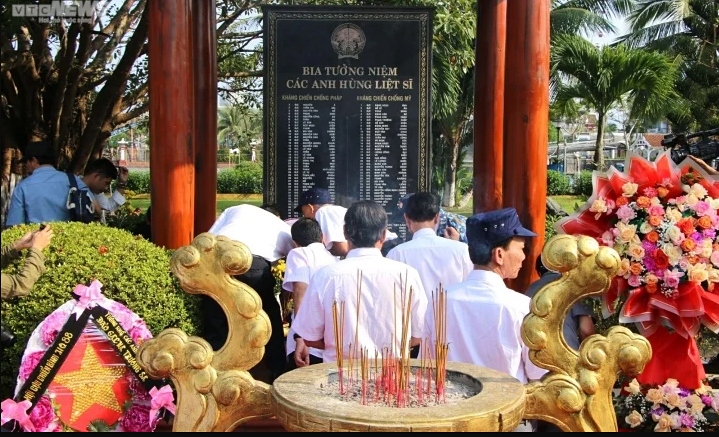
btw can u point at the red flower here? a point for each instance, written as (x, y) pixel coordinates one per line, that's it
(103, 250)
(661, 260)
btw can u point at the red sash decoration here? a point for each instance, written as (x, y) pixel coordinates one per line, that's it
(673, 356)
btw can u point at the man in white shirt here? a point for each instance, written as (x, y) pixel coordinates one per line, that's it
(98, 176)
(302, 263)
(383, 286)
(316, 203)
(269, 239)
(439, 261)
(484, 317)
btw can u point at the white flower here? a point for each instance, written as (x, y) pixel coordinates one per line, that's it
(629, 189)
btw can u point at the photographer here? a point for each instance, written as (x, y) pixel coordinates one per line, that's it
(20, 284)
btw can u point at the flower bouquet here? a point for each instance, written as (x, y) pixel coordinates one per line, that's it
(667, 407)
(662, 221)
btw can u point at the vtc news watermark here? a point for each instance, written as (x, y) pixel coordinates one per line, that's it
(83, 11)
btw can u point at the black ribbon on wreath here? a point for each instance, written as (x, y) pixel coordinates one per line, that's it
(55, 355)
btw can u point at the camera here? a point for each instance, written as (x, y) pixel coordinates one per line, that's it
(7, 338)
(705, 148)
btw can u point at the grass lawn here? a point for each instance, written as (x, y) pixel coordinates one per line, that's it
(225, 201)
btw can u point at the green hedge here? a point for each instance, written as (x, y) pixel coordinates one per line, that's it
(557, 183)
(139, 181)
(583, 183)
(132, 270)
(245, 178)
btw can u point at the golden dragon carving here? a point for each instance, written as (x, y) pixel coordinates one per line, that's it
(215, 391)
(576, 394)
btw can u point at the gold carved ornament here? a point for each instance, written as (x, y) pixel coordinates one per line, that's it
(215, 391)
(576, 395)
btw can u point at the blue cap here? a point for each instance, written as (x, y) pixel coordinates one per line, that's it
(398, 214)
(494, 227)
(314, 196)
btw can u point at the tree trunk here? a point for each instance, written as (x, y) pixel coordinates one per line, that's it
(465, 198)
(450, 179)
(599, 148)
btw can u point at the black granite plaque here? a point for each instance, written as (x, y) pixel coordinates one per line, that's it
(347, 103)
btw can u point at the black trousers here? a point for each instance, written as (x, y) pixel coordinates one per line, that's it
(260, 278)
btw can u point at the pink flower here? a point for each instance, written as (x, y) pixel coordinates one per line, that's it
(657, 210)
(29, 364)
(671, 278)
(43, 416)
(136, 419)
(701, 208)
(715, 258)
(625, 213)
(52, 326)
(650, 192)
(635, 280)
(137, 390)
(139, 333)
(608, 238)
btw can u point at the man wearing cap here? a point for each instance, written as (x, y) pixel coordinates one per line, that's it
(268, 238)
(42, 196)
(484, 317)
(439, 261)
(316, 203)
(373, 290)
(449, 225)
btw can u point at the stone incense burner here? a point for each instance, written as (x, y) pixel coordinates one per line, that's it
(215, 392)
(300, 405)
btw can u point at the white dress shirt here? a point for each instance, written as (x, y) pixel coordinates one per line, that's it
(264, 233)
(302, 263)
(384, 289)
(439, 261)
(332, 221)
(484, 320)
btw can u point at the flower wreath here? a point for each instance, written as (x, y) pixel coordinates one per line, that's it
(662, 220)
(125, 404)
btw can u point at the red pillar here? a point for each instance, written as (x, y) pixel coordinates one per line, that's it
(171, 122)
(526, 117)
(204, 46)
(489, 104)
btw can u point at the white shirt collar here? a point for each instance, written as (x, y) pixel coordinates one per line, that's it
(490, 278)
(364, 251)
(424, 233)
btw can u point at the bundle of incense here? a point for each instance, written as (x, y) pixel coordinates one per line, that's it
(364, 369)
(441, 347)
(338, 320)
(355, 345)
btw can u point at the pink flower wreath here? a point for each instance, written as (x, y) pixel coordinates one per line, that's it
(137, 414)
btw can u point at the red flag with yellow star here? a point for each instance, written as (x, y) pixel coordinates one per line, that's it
(92, 383)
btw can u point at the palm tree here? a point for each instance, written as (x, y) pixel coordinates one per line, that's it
(572, 17)
(602, 76)
(686, 29)
(238, 124)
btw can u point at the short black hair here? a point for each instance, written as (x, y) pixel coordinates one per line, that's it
(271, 208)
(40, 150)
(480, 252)
(102, 166)
(422, 207)
(306, 231)
(365, 223)
(539, 266)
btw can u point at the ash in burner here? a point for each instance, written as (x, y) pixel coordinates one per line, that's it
(419, 390)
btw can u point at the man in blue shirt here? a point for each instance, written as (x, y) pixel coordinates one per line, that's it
(42, 196)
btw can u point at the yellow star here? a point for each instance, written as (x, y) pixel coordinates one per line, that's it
(91, 384)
